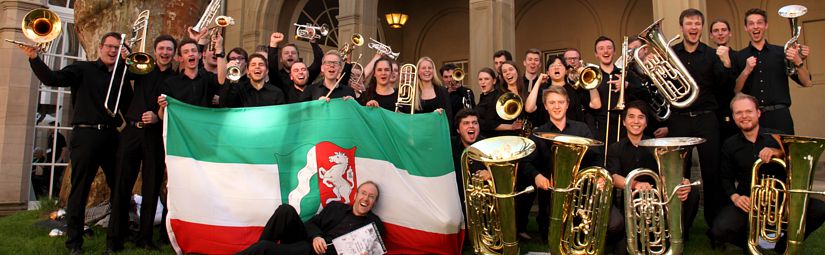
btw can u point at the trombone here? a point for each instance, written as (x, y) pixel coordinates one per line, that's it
(220, 23)
(407, 87)
(384, 49)
(41, 26)
(208, 14)
(139, 62)
(310, 31)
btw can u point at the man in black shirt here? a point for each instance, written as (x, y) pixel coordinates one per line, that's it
(720, 33)
(193, 85)
(141, 144)
(288, 55)
(298, 73)
(738, 156)
(699, 119)
(762, 73)
(286, 234)
(625, 156)
(604, 49)
(499, 57)
(94, 138)
(253, 91)
(468, 133)
(460, 96)
(333, 80)
(537, 166)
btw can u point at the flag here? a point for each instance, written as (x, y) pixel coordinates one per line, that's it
(228, 170)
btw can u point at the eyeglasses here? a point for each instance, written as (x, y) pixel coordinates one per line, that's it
(237, 59)
(331, 63)
(109, 46)
(571, 58)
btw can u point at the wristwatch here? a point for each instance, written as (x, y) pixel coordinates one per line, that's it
(220, 55)
(800, 65)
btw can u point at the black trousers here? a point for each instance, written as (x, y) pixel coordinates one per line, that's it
(284, 233)
(731, 224)
(779, 119)
(524, 203)
(91, 149)
(137, 145)
(616, 225)
(705, 126)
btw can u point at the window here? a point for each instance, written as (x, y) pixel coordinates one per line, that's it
(323, 12)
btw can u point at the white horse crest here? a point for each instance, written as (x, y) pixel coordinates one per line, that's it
(334, 178)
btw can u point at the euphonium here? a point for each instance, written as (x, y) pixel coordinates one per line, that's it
(490, 204)
(208, 14)
(41, 26)
(384, 49)
(665, 69)
(407, 87)
(653, 218)
(779, 203)
(792, 13)
(580, 198)
(509, 106)
(588, 76)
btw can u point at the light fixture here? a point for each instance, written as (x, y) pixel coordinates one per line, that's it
(396, 20)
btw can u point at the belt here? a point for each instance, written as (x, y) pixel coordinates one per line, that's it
(693, 113)
(139, 124)
(768, 108)
(93, 126)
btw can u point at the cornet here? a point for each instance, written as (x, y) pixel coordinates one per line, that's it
(41, 26)
(792, 12)
(310, 31)
(384, 49)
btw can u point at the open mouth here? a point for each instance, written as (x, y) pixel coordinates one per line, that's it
(363, 204)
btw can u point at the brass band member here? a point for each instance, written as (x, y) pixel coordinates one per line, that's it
(738, 156)
(380, 92)
(572, 59)
(289, 55)
(460, 96)
(94, 137)
(539, 163)
(431, 95)
(625, 156)
(253, 91)
(499, 57)
(636, 90)
(333, 80)
(699, 119)
(141, 150)
(604, 49)
(532, 68)
(557, 72)
(298, 73)
(490, 123)
(193, 85)
(720, 34)
(762, 75)
(468, 132)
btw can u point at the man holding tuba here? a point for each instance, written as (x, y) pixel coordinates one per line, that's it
(738, 156)
(761, 72)
(699, 118)
(625, 156)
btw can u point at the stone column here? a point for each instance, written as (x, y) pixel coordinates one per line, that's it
(358, 17)
(18, 104)
(492, 28)
(670, 10)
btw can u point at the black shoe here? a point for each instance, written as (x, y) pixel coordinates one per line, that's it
(75, 251)
(147, 246)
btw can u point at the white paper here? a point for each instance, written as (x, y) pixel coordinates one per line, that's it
(365, 240)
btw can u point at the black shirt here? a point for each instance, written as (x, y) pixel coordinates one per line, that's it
(738, 156)
(458, 151)
(336, 219)
(768, 81)
(89, 82)
(147, 90)
(198, 91)
(441, 100)
(318, 90)
(245, 95)
(313, 69)
(624, 157)
(488, 118)
(384, 101)
(458, 97)
(708, 72)
(541, 160)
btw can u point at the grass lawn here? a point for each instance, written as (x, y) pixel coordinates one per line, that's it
(20, 236)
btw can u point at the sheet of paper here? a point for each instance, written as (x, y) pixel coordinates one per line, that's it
(365, 240)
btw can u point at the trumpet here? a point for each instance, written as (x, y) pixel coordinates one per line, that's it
(356, 39)
(407, 87)
(384, 49)
(588, 76)
(41, 26)
(792, 13)
(310, 31)
(208, 14)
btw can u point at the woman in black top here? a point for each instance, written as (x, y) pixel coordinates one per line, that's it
(380, 92)
(431, 94)
(490, 123)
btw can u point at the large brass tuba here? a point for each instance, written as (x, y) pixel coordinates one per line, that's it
(41, 26)
(664, 68)
(580, 200)
(653, 218)
(407, 87)
(490, 204)
(792, 13)
(775, 202)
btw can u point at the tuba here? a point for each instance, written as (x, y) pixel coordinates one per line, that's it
(653, 218)
(775, 202)
(41, 26)
(792, 13)
(588, 76)
(384, 49)
(664, 69)
(407, 87)
(580, 199)
(490, 204)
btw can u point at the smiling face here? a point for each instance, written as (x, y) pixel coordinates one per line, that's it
(108, 50)
(394, 76)
(556, 105)
(572, 57)
(190, 56)
(298, 74)
(756, 26)
(425, 71)
(720, 33)
(365, 199)
(257, 69)
(635, 122)
(486, 82)
(691, 29)
(164, 52)
(604, 52)
(331, 66)
(468, 129)
(289, 55)
(556, 71)
(532, 63)
(383, 73)
(745, 114)
(510, 73)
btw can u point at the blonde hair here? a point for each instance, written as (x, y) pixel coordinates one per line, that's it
(436, 81)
